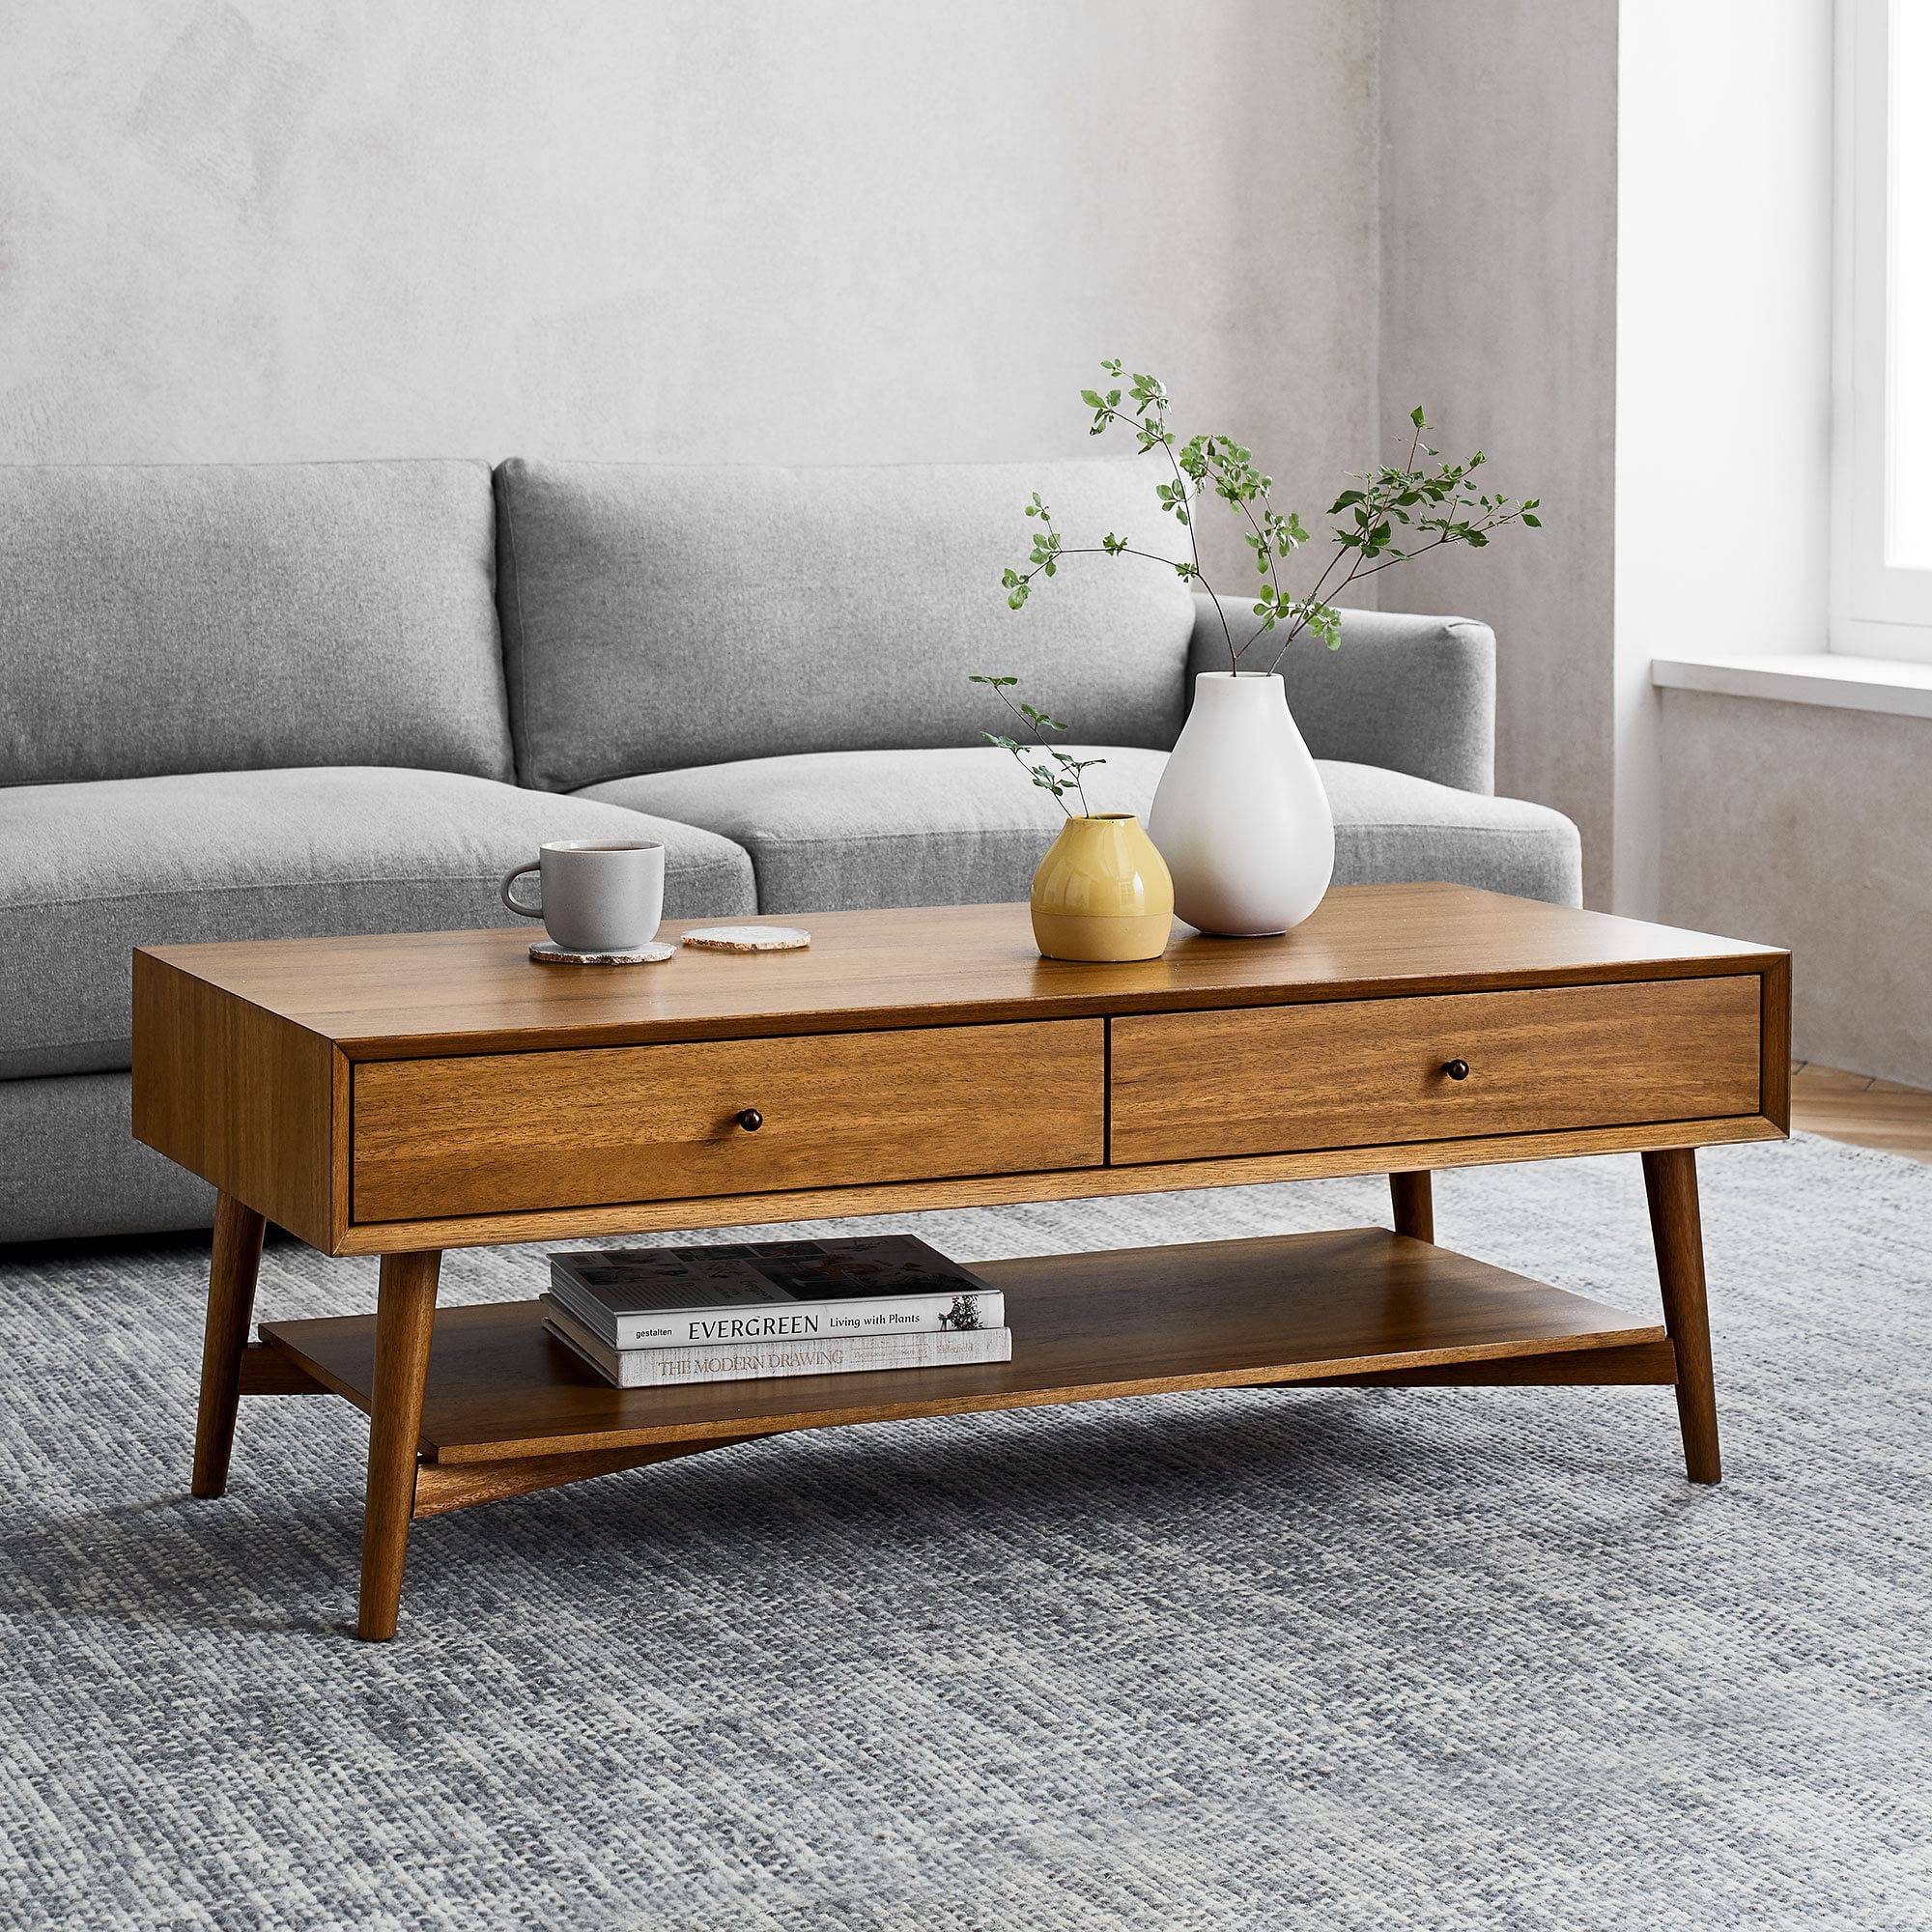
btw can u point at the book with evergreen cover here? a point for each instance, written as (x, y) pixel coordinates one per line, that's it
(760, 1361)
(739, 1292)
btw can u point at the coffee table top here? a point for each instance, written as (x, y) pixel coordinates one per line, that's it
(412, 994)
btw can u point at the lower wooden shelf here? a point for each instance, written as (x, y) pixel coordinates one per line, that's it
(1357, 1304)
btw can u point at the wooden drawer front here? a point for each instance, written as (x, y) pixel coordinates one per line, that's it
(494, 1133)
(1368, 1073)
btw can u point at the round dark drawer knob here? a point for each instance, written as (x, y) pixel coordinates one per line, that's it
(750, 1120)
(1457, 1070)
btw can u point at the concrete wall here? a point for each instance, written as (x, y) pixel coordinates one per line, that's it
(1805, 827)
(1498, 312)
(719, 230)
(616, 229)
(244, 229)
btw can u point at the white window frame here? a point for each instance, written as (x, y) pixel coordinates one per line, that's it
(1877, 610)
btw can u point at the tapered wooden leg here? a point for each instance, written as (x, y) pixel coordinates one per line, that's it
(405, 1316)
(1670, 1180)
(1414, 1205)
(232, 1269)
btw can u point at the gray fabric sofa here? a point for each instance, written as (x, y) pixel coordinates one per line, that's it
(242, 702)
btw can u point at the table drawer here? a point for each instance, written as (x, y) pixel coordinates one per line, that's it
(496, 1133)
(1371, 1073)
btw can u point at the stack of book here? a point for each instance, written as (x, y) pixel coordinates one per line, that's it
(647, 1318)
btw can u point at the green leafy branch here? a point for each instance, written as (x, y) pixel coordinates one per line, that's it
(1401, 511)
(1439, 503)
(1057, 772)
(1048, 550)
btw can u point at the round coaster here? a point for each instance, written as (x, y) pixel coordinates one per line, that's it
(548, 953)
(748, 938)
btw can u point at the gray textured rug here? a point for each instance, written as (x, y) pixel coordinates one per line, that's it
(1392, 1658)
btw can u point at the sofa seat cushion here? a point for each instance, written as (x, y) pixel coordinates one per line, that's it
(88, 871)
(845, 828)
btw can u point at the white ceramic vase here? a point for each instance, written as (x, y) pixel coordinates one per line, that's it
(1240, 815)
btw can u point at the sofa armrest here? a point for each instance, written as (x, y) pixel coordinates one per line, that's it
(1415, 695)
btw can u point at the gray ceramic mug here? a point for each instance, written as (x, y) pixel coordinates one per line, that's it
(595, 895)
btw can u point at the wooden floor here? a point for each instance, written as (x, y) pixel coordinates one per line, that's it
(1866, 1112)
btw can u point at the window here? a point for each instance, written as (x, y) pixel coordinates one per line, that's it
(1882, 574)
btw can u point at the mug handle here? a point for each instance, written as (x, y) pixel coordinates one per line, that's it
(505, 892)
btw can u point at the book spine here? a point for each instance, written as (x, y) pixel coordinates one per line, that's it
(760, 1325)
(663, 1368)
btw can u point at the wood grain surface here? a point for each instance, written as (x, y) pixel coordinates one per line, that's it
(245, 1055)
(408, 995)
(1860, 1108)
(511, 1131)
(400, 1337)
(992, 1190)
(234, 1262)
(242, 1096)
(1191, 1086)
(1131, 1322)
(1671, 1186)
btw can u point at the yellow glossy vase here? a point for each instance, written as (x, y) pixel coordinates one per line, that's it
(1103, 892)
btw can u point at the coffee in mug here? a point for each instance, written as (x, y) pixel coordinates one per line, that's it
(595, 895)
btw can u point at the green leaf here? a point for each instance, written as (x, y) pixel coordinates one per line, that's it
(1416, 416)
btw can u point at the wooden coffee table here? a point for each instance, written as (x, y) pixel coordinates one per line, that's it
(401, 1095)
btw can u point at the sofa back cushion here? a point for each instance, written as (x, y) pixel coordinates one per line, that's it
(200, 618)
(658, 618)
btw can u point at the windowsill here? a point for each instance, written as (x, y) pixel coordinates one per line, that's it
(1828, 678)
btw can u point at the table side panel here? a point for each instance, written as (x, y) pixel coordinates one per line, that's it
(1774, 1042)
(589, 1128)
(242, 1097)
(1298, 1078)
